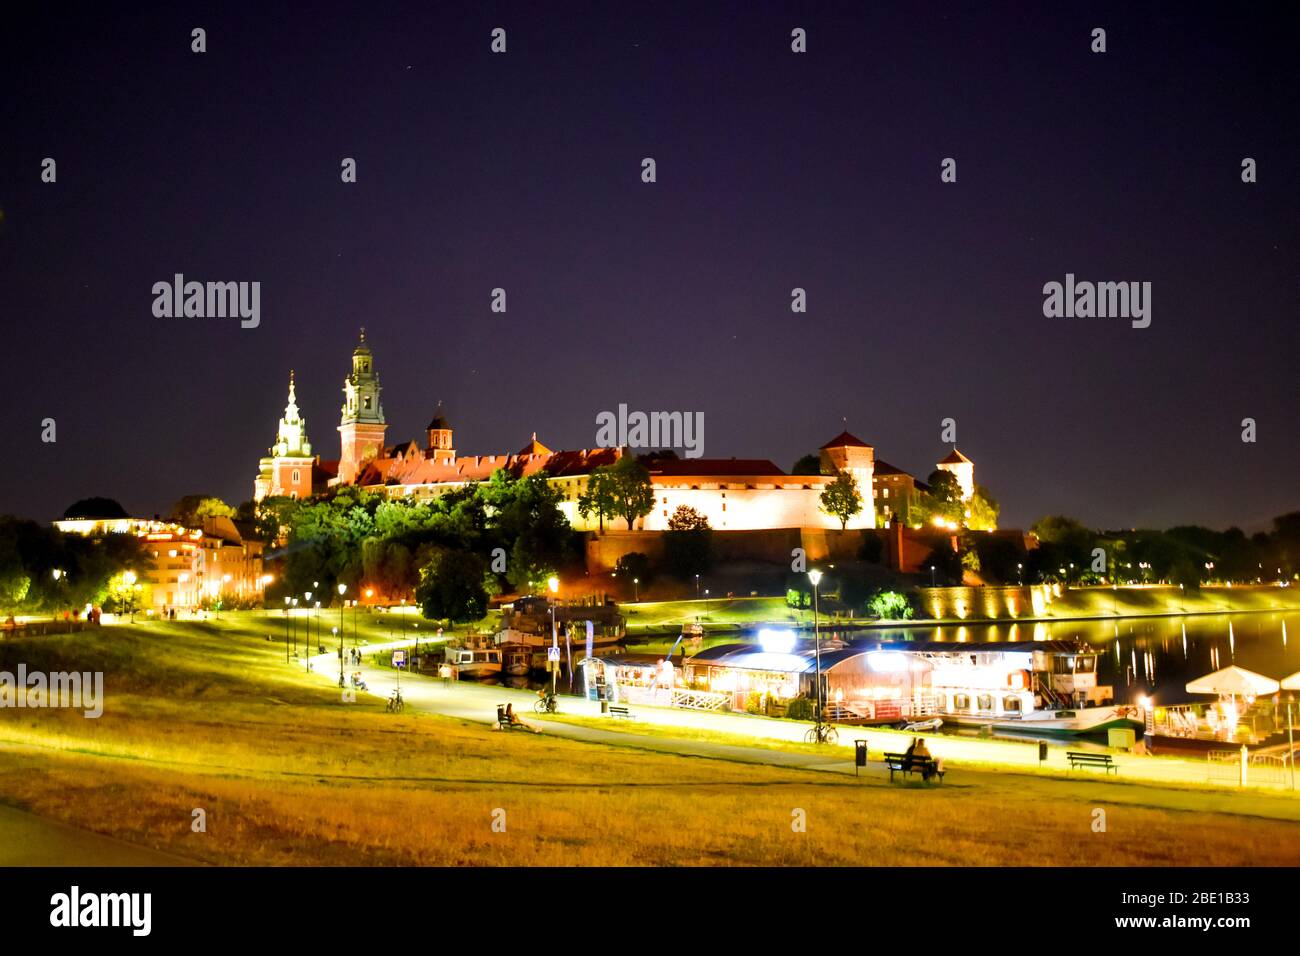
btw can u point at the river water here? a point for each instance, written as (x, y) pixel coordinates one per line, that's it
(1155, 656)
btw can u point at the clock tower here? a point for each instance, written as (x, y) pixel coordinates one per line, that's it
(362, 427)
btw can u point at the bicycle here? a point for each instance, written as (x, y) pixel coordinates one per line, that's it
(547, 704)
(395, 703)
(822, 733)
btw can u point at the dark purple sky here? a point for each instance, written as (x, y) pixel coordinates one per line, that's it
(775, 170)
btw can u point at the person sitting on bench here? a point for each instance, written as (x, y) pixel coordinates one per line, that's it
(513, 719)
(917, 753)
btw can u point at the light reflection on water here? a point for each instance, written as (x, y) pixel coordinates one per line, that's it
(1147, 655)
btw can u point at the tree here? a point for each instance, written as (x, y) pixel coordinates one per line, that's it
(633, 493)
(192, 509)
(944, 499)
(983, 511)
(598, 497)
(841, 499)
(451, 587)
(807, 465)
(891, 606)
(688, 543)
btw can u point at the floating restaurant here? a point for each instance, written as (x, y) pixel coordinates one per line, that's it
(1045, 687)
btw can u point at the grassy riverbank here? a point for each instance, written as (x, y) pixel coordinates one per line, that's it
(208, 716)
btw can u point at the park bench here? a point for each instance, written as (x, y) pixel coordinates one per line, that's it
(619, 710)
(504, 721)
(1080, 759)
(902, 763)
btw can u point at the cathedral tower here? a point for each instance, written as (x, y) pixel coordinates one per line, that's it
(361, 430)
(287, 470)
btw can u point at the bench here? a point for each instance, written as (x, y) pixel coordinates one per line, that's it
(504, 722)
(1081, 759)
(902, 763)
(619, 710)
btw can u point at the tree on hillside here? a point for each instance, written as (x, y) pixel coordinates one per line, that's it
(688, 543)
(452, 588)
(634, 495)
(841, 499)
(983, 508)
(807, 465)
(192, 509)
(598, 497)
(944, 499)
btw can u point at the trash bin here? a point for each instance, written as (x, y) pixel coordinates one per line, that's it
(604, 706)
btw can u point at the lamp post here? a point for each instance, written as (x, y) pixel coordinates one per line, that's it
(697, 587)
(339, 632)
(343, 589)
(1020, 573)
(815, 577)
(554, 584)
(307, 639)
(295, 630)
(286, 630)
(636, 583)
(932, 575)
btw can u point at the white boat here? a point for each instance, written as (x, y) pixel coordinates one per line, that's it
(474, 662)
(1036, 687)
(526, 623)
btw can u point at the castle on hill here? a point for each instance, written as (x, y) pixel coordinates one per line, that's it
(733, 494)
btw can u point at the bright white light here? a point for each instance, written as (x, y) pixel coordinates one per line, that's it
(888, 662)
(815, 577)
(776, 642)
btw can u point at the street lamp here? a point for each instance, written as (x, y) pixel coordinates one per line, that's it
(307, 640)
(554, 584)
(815, 577)
(295, 630)
(1020, 573)
(636, 582)
(286, 630)
(932, 575)
(343, 589)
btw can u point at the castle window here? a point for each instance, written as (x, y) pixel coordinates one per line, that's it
(367, 403)
(297, 476)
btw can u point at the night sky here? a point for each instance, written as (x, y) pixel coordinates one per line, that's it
(775, 170)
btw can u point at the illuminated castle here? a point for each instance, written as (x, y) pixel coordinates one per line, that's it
(733, 494)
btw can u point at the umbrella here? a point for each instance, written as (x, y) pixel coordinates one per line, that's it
(1292, 682)
(1235, 681)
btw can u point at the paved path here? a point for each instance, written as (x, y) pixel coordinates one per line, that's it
(468, 700)
(29, 840)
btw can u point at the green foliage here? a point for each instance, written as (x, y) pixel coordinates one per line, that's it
(30, 553)
(944, 499)
(891, 606)
(688, 543)
(984, 510)
(362, 538)
(801, 708)
(451, 587)
(807, 465)
(841, 498)
(192, 509)
(631, 489)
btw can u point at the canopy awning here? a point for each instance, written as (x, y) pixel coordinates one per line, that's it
(1234, 680)
(1292, 682)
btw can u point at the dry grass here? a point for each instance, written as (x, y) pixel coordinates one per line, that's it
(310, 780)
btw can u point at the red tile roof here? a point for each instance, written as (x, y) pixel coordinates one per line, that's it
(844, 439)
(955, 458)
